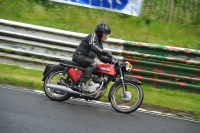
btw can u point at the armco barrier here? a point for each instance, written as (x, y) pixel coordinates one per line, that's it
(164, 65)
(33, 46)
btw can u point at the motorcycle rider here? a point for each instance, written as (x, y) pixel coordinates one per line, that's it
(87, 50)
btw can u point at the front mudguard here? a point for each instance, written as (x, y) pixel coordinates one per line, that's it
(119, 82)
(128, 79)
(49, 68)
(134, 80)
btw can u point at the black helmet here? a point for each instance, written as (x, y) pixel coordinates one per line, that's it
(102, 28)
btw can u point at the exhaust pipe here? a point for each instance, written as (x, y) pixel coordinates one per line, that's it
(62, 88)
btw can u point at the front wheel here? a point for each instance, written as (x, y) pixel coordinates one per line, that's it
(130, 100)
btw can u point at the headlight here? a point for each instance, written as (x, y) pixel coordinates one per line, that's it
(128, 66)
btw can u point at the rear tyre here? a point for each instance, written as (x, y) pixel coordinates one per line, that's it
(54, 78)
(129, 102)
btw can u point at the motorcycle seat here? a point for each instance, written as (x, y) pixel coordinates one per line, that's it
(68, 63)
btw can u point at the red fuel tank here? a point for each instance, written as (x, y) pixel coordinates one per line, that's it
(75, 74)
(105, 69)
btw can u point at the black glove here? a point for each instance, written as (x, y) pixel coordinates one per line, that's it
(107, 53)
(114, 61)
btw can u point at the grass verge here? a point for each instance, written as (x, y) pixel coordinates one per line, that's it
(145, 28)
(175, 102)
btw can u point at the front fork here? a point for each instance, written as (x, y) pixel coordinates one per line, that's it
(122, 81)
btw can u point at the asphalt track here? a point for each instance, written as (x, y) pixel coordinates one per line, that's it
(25, 111)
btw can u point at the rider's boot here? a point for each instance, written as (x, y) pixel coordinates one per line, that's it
(83, 86)
(83, 82)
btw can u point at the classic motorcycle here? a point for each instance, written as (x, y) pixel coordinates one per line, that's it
(61, 82)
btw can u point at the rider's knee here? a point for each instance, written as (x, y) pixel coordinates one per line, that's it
(93, 65)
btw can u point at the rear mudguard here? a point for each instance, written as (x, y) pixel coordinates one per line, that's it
(119, 82)
(51, 68)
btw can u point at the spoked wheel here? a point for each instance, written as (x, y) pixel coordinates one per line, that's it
(55, 78)
(130, 100)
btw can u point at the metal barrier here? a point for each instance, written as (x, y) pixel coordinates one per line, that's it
(164, 64)
(33, 46)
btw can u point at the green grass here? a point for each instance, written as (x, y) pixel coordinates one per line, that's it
(175, 99)
(162, 99)
(80, 19)
(15, 75)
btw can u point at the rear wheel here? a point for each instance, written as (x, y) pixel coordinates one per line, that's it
(128, 102)
(55, 78)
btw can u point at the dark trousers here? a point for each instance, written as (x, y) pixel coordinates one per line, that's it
(85, 62)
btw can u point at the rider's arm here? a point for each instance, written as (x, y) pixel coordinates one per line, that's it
(93, 40)
(101, 54)
(104, 59)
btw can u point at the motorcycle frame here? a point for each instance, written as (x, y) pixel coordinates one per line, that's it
(104, 87)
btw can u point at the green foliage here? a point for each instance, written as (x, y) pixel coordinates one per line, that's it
(183, 11)
(148, 27)
(48, 4)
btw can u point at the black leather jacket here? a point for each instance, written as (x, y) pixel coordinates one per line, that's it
(91, 46)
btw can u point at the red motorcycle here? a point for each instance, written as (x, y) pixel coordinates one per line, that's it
(62, 82)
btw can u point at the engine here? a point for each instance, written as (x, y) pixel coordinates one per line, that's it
(97, 78)
(95, 83)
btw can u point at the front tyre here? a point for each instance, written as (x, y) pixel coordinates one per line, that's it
(55, 78)
(128, 102)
